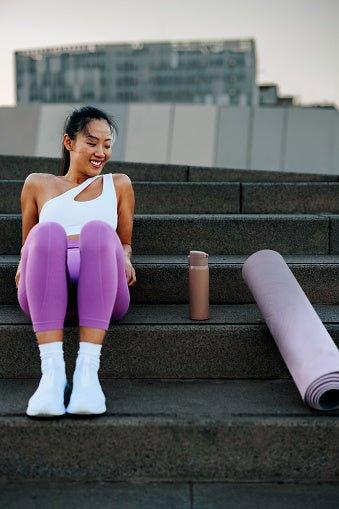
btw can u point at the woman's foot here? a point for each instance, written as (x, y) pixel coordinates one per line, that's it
(87, 396)
(48, 399)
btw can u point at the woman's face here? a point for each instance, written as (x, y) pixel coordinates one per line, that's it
(88, 147)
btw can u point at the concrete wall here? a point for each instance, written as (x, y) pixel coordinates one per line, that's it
(49, 135)
(280, 139)
(335, 147)
(233, 137)
(19, 130)
(147, 133)
(308, 139)
(267, 138)
(193, 135)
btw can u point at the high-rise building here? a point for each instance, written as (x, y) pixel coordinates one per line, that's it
(209, 72)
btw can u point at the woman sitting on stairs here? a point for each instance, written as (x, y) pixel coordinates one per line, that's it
(77, 232)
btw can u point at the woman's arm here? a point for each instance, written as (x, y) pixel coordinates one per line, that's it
(29, 213)
(126, 206)
(29, 207)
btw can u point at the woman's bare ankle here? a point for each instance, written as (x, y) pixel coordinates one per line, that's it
(49, 336)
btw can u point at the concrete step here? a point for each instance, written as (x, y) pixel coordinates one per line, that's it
(210, 174)
(288, 198)
(161, 341)
(214, 233)
(164, 279)
(170, 430)
(167, 495)
(214, 197)
(166, 197)
(18, 167)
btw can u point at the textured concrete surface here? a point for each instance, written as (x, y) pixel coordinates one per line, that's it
(18, 167)
(186, 430)
(91, 495)
(229, 234)
(164, 279)
(186, 399)
(170, 314)
(204, 174)
(161, 341)
(213, 233)
(260, 496)
(288, 198)
(232, 260)
(334, 236)
(172, 197)
(214, 197)
(156, 495)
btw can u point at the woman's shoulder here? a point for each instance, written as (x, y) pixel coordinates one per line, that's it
(120, 180)
(37, 180)
(37, 177)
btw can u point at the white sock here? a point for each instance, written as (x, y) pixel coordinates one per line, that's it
(87, 396)
(48, 399)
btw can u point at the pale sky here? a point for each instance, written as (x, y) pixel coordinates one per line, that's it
(297, 41)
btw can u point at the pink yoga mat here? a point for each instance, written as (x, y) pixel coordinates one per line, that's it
(307, 348)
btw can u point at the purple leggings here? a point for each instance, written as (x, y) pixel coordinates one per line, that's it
(59, 274)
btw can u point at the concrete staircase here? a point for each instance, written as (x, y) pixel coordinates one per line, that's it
(200, 414)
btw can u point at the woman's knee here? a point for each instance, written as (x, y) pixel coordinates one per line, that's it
(120, 311)
(48, 235)
(104, 234)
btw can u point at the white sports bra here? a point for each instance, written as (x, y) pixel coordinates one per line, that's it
(72, 214)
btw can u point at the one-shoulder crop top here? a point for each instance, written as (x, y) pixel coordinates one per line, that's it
(73, 214)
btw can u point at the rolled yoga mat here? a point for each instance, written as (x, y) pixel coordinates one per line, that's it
(303, 341)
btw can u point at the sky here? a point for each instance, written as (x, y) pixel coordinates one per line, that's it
(297, 41)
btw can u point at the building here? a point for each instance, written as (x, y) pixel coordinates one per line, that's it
(210, 72)
(269, 96)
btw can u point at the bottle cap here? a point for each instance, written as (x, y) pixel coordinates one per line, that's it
(199, 258)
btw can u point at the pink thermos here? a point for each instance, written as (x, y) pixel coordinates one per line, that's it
(198, 285)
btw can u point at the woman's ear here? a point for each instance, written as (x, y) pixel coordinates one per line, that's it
(68, 142)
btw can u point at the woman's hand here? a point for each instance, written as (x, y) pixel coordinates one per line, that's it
(17, 277)
(130, 272)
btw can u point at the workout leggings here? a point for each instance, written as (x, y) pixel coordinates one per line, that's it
(59, 274)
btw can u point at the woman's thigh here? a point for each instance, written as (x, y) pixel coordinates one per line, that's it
(35, 275)
(122, 301)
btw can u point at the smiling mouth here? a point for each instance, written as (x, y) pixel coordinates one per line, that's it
(96, 164)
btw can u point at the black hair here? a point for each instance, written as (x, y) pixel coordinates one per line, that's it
(77, 121)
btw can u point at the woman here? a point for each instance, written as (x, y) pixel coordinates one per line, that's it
(76, 234)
